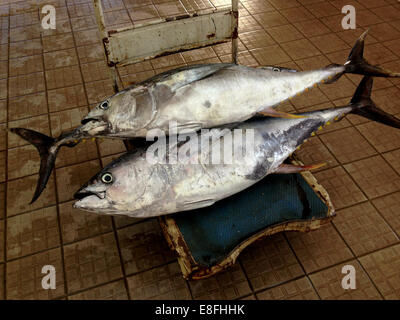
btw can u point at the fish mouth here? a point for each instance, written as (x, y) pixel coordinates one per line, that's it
(81, 194)
(87, 120)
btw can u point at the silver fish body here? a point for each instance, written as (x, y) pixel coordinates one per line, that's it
(143, 189)
(202, 96)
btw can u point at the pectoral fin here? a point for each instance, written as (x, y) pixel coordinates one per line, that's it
(271, 112)
(291, 168)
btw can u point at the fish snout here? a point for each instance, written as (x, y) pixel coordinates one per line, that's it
(88, 119)
(87, 191)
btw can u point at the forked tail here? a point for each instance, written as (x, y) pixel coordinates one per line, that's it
(362, 105)
(48, 149)
(357, 64)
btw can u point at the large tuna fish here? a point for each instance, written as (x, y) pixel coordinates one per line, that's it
(133, 186)
(195, 97)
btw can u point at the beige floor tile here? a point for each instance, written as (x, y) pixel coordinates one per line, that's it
(313, 99)
(26, 84)
(25, 48)
(387, 13)
(341, 89)
(377, 53)
(300, 49)
(198, 54)
(329, 43)
(66, 98)
(83, 23)
(3, 111)
(385, 32)
(168, 61)
(270, 19)
(71, 178)
(300, 289)
(169, 9)
(143, 247)
(144, 13)
(20, 193)
(90, 53)
(23, 161)
(32, 232)
(164, 282)
(270, 262)
(91, 262)
(393, 159)
(124, 221)
(253, 40)
(347, 145)
(25, 33)
(39, 123)
(3, 166)
(384, 269)
(58, 42)
(319, 249)
(2, 200)
(314, 151)
(63, 77)
(285, 33)
(374, 176)
(2, 249)
(24, 277)
(77, 225)
(363, 229)
(130, 79)
(58, 59)
(341, 189)
(367, 18)
(2, 280)
(247, 24)
(63, 26)
(27, 106)
(99, 90)
(311, 28)
(272, 55)
(86, 37)
(254, 7)
(389, 207)
(227, 285)
(328, 284)
(95, 71)
(382, 137)
(80, 9)
(322, 9)
(111, 291)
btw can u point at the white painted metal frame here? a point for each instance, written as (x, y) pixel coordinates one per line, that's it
(166, 36)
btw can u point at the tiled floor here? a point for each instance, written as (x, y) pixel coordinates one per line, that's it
(50, 79)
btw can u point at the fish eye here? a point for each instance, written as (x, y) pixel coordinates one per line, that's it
(104, 105)
(276, 69)
(107, 178)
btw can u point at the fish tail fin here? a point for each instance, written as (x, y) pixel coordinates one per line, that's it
(363, 105)
(47, 154)
(356, 63)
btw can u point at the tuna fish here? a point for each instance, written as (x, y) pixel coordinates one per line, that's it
(133, 186)
(195, 97)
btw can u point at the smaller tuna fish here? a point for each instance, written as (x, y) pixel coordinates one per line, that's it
(133, 186)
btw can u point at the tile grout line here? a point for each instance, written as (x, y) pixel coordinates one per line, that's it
(121, 260)
(54, 169)
(357, 259)
(239, 261)
(301, 265)
(6, 164)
